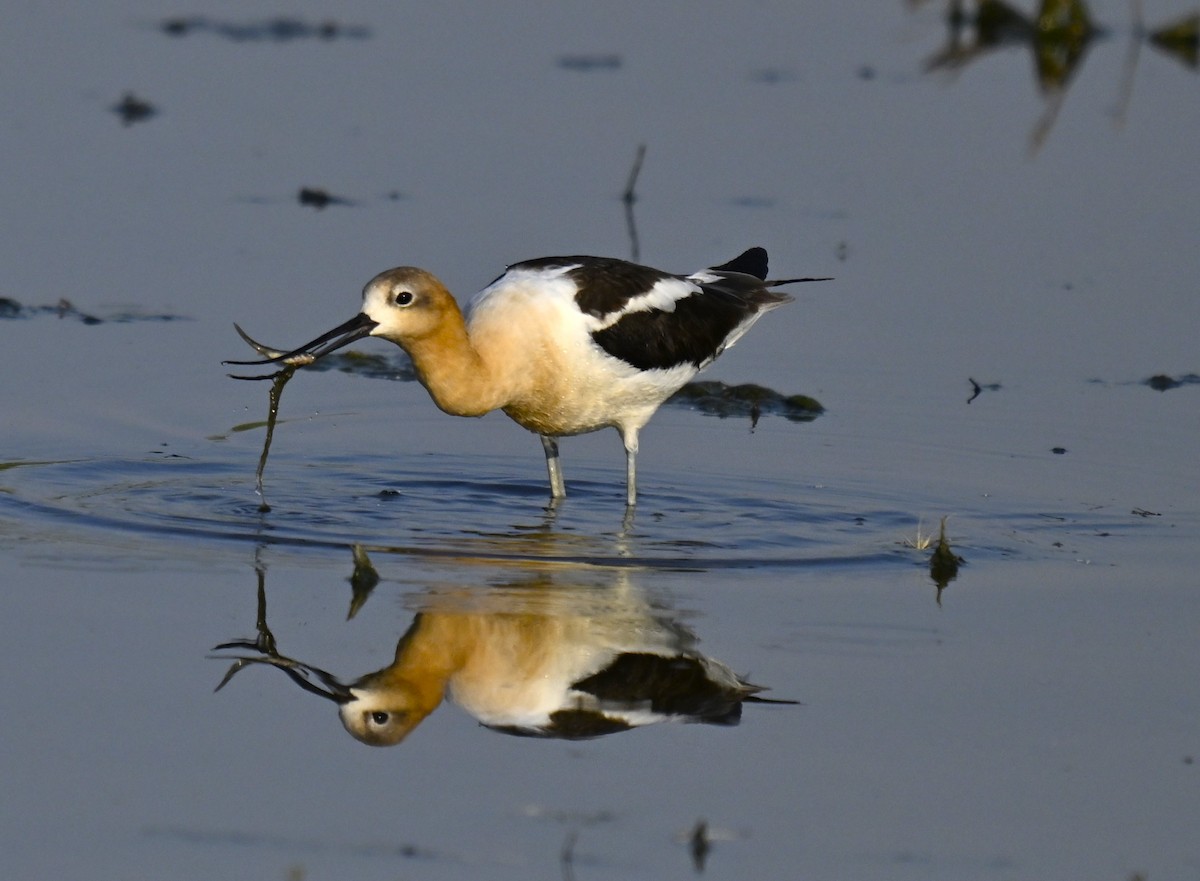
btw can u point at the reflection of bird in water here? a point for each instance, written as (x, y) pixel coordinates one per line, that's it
(536, 659)
(563, 345)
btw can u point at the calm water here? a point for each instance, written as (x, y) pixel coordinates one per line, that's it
(1035, 717)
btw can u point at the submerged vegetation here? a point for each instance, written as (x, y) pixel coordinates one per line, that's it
(64, 308)
(943, 562)
(748, 399)
(1161, 382)
(281, 29)
(1058, 35)
(1179, 39)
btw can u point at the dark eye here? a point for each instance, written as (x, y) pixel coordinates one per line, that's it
(379, 717)
(403, 298)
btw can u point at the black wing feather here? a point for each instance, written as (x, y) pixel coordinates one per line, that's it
(605, 284)
(694, 332)
(752, 261)
(673, 686)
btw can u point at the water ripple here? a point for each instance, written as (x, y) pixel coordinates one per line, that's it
(440, 506)
(474, 509)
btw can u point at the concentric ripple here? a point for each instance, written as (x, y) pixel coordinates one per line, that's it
(436, 505)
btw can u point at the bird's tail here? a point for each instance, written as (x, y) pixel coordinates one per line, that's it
(753, 261)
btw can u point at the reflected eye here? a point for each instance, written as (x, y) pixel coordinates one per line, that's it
(379, 717)
(404, 298)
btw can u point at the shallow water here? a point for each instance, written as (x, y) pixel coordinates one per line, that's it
(1033, 716)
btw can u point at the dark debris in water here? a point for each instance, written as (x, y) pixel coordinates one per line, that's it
(752, 202)
(1161, 382)
(131, 109)
(1058, 36)
(587, 63)
(718, 399)
(1180, 39)
(64, 308)
(272, 30)
(699, 845)
(319, 198)
(363, 580)
(977, 388)
(772, 75)
(943, 562)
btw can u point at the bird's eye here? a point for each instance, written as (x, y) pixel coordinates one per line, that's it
(379, 717)
(404, 298)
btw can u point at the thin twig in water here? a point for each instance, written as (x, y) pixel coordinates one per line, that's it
(699, 845)
(567, 856)
(629, 197)
(277, 383)
(1130, 65)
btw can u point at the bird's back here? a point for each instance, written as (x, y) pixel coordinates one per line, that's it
(597, 341)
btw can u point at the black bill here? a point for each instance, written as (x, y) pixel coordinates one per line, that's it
(355, 329)
(311, 679)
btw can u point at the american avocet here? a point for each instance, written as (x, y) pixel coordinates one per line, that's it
(563, 345)
(534, 658)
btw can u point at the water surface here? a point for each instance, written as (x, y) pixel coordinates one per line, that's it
(1033, 716)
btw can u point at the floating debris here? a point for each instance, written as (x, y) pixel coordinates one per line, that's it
(319, 198)
(363, 580)
(718, 399)
(944, 563)
(977, 388)
(12, 309)
(752, 202)
(1058, 36)
(276, 30)
(1181, 39)
(1161, 382)
(772, 75)
(133, 109)
(699, 845)
(587, 63)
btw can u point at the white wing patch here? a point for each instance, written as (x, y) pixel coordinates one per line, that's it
(526, 284)
(663, 296)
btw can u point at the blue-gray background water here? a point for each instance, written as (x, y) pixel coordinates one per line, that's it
(1004, 214)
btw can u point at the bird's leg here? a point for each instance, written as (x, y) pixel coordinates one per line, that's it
(557, 489)
(631, 448)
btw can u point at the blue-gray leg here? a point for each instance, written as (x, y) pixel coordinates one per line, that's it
(630, 438)
(553, 467)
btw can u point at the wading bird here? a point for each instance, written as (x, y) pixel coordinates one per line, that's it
(563, 345)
